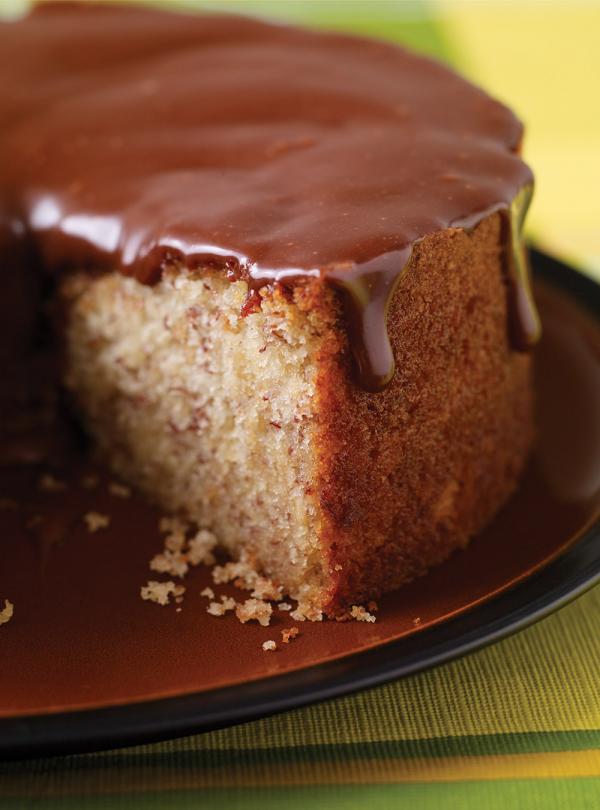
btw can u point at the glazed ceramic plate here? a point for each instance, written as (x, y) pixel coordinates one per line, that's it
(87, 664)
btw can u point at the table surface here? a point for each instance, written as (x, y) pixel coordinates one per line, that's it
(517, 724)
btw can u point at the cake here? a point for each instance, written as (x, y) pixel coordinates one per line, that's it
(287, 281)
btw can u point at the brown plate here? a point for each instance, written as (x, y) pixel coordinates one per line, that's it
(86, 663)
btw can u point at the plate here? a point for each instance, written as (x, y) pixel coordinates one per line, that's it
(87, 664)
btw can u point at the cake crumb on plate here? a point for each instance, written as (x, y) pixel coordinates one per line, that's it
(95, 521)
(254, 610)
(170, 562)
(266, 589)
(244, 575)
(305, 611)
(119, 490)
(269, 645)
(289, 633)
(6, 613)
(361, 614)
(161, 592)
(48, 483)
(179, 553)
(200, 548)
(220, 608)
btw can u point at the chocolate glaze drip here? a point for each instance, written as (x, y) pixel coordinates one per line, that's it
(524, 320)
(132, 138)
(368, 289)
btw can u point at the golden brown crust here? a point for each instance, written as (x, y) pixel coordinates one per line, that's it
(410, 474)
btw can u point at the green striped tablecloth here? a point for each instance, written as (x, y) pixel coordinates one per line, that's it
(515, 725)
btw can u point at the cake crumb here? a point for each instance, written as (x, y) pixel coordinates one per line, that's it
(245, 576)
(241, 572)
(222, 574)
(89, 481)
(170, 562)
(178, 553)
(220, 608)
(96, 521)
(178, 610)
(305, 611)
(160, 592)
(6, 613)
(361, 614)
(48, 483)
(269, 645)
(337, 567)
(289, 633)
(200, 548)
(229, 602)
(175, 531)
(175, 541)
(417, 621)
(119, 490)
(266, 589)
(254, 610)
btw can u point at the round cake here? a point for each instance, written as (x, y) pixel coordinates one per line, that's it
(294, 303)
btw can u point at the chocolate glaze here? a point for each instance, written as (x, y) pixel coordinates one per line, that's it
(132, 138)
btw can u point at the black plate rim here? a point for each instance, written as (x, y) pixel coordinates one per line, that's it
(562, 581)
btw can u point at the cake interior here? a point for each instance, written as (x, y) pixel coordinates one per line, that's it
(209, 413)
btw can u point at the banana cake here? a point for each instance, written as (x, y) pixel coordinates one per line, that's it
(293, 301)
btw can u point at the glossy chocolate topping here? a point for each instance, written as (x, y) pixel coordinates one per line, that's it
(132, 138)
